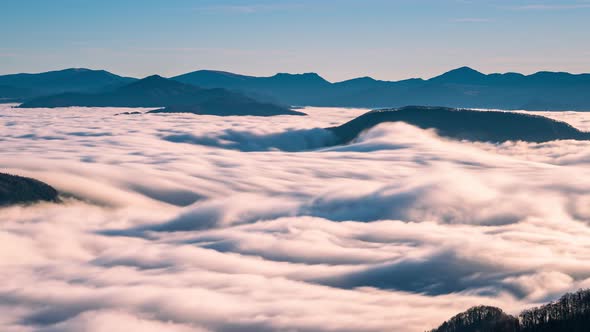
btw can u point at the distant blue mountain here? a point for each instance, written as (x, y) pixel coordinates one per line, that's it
(292, 89)
(9, 93)
(172, 96)
(462, 87)
(19, 86)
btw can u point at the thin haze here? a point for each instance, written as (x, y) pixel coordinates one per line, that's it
(338, 39)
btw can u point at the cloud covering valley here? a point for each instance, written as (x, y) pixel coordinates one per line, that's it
(201, 223)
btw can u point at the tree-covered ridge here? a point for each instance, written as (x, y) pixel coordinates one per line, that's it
(481, 319)
(570, 313)
(21, 190)
(465, 124)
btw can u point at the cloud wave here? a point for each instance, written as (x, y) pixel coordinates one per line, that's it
(259, 227)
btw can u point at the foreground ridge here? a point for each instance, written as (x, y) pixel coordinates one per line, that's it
(465, 124)
(21, 190)
(570, 313)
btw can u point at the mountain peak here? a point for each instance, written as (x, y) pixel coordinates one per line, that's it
(359, 81)
(305, 77)
(364, 79)
(460, 75)
(154, 78)
(310, 75)
(156, 82)
(83, 71)
(465, 69)
(79, 70)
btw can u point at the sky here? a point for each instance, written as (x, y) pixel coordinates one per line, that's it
(387, 40)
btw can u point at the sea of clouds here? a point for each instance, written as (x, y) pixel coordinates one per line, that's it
(203, 223)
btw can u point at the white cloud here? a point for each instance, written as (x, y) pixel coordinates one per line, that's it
(261, 227)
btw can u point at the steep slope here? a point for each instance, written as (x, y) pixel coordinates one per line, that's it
(492, 126)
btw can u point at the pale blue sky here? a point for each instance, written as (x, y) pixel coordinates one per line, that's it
(343, 39)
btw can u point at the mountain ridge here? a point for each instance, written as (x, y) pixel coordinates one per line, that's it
(463, 87)
(60, 81)
(231, 74)
(464, 124)
(460, 87)
(571, 312)
(171, 96)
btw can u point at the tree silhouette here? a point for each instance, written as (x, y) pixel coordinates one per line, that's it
(570, 313)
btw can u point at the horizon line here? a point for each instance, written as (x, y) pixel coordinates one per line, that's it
(300, 73)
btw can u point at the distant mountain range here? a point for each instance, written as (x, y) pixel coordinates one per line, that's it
(22, 86)
(570, 313)
(462, 87)
(464, 124)
(173, 96)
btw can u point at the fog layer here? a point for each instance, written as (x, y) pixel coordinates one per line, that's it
(201, 223)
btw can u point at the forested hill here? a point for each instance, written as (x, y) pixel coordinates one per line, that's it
(570, 313)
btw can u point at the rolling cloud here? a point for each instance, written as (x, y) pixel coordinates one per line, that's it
(200, 223)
